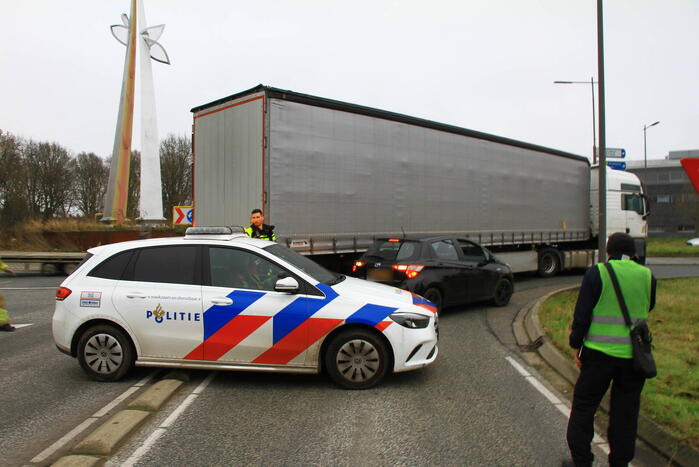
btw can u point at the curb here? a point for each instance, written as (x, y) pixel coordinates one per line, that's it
(672, 261)
(97, 446)
(528, 328)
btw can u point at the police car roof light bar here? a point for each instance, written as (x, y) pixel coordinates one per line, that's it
(214, 230)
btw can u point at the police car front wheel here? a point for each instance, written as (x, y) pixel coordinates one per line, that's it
(105, 353)
(356, 359)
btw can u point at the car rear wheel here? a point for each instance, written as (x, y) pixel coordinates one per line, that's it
(503, 292)
(435, 296)
(356, 359)
(105, 353)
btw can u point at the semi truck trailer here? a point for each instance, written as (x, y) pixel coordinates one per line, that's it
(333, 176)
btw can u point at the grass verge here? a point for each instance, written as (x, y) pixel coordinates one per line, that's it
(670, 247)
(672, 398)
(56, 234)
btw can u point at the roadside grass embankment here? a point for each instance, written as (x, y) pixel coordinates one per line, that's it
(671, 398)
(670, 247)
(71, 234)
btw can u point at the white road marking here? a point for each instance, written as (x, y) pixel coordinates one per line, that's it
(22, 325)
(43, 455)
(168, 422)
(562, 407)
(51, 450)
(520, 369)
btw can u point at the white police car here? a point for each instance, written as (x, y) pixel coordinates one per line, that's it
(216, 299)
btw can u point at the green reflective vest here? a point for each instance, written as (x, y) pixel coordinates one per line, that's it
(272, 238)
(608, 331)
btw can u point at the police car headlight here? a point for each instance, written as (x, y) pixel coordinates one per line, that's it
(410, 320)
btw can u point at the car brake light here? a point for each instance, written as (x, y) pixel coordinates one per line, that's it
(62, 293)
(410, 270)
(394, 240)
(358, 264)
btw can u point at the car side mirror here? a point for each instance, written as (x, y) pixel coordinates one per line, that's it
(287, 284)
(487, 259)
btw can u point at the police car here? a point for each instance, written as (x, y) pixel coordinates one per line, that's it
(216, 299)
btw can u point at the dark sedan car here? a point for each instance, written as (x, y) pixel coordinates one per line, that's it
(445, 270)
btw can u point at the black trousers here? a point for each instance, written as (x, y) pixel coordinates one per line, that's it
(597, 372)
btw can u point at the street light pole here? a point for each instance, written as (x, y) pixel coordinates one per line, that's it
(645, 158)
(594, 123)
(602, 183)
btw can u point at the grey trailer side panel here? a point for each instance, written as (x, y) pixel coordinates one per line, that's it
(228, 161)
(341, 175)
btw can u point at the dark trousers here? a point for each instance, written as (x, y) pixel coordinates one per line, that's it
(597, 372)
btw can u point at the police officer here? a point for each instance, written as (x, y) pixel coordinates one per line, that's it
(4, 315)
(258, 229)
(602, 346)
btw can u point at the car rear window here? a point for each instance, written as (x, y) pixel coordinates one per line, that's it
(113, 267)
(392, 250)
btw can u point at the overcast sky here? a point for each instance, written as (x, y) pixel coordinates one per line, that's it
(486, 65)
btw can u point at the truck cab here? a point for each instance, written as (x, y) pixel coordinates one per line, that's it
(627, 207)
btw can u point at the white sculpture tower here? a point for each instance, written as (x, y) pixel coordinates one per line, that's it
(151, 198)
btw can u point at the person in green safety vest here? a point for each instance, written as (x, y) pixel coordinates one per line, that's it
(4, 315)
(258, 229)
(602, 344)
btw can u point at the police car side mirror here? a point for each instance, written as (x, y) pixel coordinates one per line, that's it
(287, 284)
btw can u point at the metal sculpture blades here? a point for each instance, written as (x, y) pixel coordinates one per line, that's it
(116, 199)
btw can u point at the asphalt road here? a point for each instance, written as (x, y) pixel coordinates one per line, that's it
(470, 408)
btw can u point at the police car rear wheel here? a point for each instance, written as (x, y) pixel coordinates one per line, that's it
(105, 353)
(356, 359)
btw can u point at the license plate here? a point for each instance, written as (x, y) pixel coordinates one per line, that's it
(379, 274)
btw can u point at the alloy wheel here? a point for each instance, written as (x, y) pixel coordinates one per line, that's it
(103, 354)
(357, 360)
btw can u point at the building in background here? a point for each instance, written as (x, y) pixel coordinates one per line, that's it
(674, 204)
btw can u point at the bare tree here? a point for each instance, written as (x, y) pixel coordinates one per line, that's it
(13, 174)
(49, 183)
(91, 177)
(134, 185)
(176, 171)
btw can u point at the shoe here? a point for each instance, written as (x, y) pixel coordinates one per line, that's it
(7, 327)
(570, 463)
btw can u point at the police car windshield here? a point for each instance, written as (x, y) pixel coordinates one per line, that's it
(311, 268)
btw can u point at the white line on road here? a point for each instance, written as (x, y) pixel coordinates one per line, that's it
(143, 449)
(563, 408)
(22, 325)
(49, 451)
(104, 410)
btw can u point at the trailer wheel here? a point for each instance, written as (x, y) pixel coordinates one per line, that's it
(48, 269)
(69, 268)
(549, 263)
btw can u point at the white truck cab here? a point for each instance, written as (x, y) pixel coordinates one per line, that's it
(627, 207)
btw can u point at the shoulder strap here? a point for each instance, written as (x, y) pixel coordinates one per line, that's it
(619, 296)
